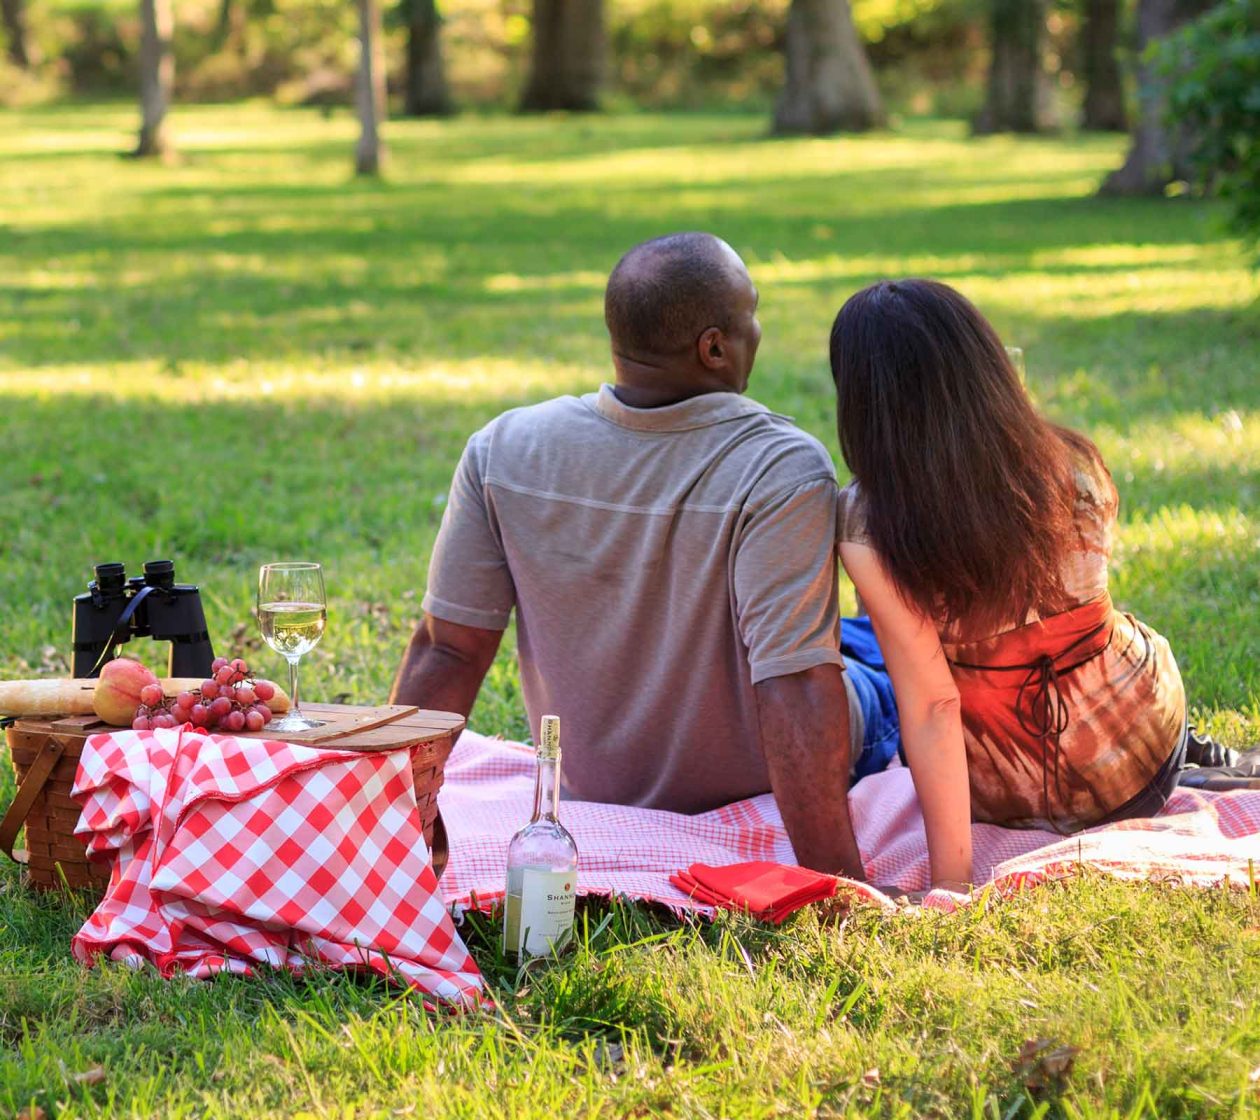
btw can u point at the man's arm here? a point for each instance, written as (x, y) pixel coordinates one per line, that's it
(805, 735)
(444, 665)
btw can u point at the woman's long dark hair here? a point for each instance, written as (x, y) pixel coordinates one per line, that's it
(969, 492)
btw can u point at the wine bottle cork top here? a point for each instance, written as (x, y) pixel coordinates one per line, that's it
(549, 737)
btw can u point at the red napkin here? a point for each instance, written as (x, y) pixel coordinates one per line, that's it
(767, 891)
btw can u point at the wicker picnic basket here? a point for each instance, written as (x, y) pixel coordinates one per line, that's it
(45, 753)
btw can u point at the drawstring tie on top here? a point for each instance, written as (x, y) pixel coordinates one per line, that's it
(1042, 711)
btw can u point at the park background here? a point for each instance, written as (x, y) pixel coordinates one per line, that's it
(240, 350)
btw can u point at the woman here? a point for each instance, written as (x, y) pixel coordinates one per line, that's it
(977, 535)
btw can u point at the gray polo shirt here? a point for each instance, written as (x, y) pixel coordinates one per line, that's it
(660, 562)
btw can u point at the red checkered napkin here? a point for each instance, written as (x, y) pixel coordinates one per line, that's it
(768, 891)
(233, 852)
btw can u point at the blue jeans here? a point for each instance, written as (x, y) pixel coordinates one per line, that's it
(864, 664)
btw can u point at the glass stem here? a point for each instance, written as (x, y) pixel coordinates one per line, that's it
(294, 710)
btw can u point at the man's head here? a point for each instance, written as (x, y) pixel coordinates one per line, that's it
(682, 311)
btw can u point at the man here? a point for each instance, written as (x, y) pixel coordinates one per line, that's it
(668, 546)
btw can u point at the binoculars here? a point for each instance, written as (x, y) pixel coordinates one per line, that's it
(116, 609)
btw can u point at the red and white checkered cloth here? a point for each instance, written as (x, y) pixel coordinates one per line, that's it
(1204, 839)
(233, 852)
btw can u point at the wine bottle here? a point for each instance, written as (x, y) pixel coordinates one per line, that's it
(542, 864)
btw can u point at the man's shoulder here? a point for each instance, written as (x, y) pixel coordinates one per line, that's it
(529, 417)
(802, 446)
(788, 456)
(527, 425)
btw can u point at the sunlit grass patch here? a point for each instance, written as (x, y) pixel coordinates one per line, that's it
(248, 356)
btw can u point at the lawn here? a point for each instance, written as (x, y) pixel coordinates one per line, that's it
(248, 356)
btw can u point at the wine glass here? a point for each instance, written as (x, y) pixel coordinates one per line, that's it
(292, 611)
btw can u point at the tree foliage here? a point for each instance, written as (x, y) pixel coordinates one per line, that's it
(1214, 68)
(874, 18)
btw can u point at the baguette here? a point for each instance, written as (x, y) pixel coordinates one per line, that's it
(73, 697)
(50, 697)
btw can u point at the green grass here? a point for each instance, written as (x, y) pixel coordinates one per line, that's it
(249, 356)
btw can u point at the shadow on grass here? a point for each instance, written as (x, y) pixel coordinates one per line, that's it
(453, 273)
(221, 488)
(361, 484)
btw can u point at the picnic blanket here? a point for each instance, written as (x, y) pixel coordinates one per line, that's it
(235, 852)
(1200, 838)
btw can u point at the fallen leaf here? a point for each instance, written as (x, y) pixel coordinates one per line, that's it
(52, 660)
(610, 1056)
(1044, 1064)
(93, 1076)
(871, 1078)
(33, 1113)
(245, 639)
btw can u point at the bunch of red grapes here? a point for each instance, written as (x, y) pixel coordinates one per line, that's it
(228, 700)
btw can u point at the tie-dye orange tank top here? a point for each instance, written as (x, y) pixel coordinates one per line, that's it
(1066, 717)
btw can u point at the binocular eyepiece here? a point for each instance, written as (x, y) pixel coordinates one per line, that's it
(116, 609)
(111, 579)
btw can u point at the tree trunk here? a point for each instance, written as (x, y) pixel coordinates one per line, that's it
(828, 85)
(369, 156)
(427, 92)
(13, 13)
(567, 70)
(157, 76)
(1103, 110)
(1018, 98)
(229, 26)
(1156, 155)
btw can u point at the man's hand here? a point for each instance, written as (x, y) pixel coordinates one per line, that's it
(805, 736)
(444, 666)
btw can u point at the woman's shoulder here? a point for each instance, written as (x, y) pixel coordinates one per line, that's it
(851, 515)
(1097, 500)
(1096, 495)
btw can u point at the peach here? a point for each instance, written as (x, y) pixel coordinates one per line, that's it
(117, 694)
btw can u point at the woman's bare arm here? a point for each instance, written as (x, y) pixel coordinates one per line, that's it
(930, 713)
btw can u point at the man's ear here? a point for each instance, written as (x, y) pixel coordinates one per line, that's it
(711, 348)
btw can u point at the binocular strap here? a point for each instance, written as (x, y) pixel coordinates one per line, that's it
(120, 631)
(32, 786)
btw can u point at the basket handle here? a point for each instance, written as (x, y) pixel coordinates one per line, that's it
(439, 850)
(32, 786)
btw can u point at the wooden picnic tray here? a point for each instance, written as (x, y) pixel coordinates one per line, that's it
(46, 750)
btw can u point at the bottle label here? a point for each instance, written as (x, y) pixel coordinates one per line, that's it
(544, 914)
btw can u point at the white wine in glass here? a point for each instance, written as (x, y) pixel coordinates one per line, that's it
(292, 612)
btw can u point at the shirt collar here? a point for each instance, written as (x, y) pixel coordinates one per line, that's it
(696, 412)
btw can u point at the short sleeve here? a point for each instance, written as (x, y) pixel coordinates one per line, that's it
(1096, 508)
(851, 516)
(785, 582)
(469, 581)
